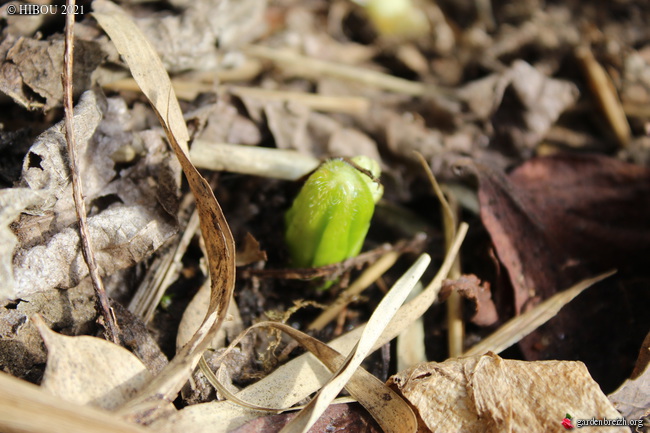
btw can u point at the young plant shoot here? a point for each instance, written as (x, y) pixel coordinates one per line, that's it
(329, 219)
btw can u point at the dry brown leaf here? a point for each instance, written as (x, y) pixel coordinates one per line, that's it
(470, 287)
(21, 346)
(529, 103)
(489, 394)
(90, 370)
(148, 71)
(250, 252)
(38, 65)
(189, 40)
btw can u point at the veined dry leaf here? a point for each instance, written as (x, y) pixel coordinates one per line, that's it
(148, 71)
(89, 370)
(130, 213)
(489, 394)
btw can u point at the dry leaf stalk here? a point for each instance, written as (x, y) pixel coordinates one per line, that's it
(110, 323)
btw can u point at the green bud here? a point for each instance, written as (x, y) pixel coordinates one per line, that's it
(329, 219)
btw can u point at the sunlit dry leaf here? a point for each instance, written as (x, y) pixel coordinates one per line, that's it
(27, 408)
(89, 370)
(129, 212)
(148, 71)
(489, 394)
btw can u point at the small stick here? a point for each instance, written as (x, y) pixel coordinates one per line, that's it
(455, 324)
(110, 323)
(606, 95)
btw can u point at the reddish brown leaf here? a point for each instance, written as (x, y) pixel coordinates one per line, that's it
(556, 219)
(470, 287)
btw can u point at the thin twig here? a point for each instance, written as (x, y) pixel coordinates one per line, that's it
(110, 324)
(335, 270)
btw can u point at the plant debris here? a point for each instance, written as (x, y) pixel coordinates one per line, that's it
(197, 122)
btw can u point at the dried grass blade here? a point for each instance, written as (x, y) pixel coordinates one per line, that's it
(378, 322)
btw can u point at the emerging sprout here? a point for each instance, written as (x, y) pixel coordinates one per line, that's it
(399, 18)
(329, 219)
